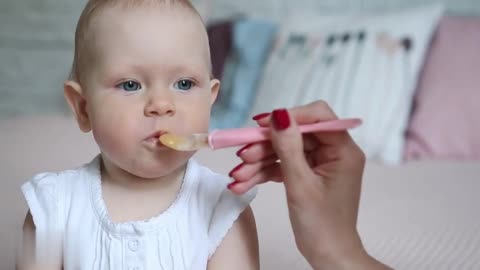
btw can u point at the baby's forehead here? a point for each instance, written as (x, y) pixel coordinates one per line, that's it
(114, 20)
(113, 14)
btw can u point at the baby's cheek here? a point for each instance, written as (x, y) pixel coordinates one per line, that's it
(108, 136)
(103, 138)
(202, 120)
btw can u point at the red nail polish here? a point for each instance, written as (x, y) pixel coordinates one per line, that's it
(231, 185)
(281, 119)
(243, 149)
(235, 169)
(260, 116)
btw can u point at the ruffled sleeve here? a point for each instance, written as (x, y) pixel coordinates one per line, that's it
(225, 212)
(42, 196)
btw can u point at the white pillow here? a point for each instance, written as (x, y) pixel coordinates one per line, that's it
(370, 73)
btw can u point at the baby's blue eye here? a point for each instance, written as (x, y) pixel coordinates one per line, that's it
(130, 86)
(184, 85)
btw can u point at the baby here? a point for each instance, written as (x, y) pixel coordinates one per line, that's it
(141, 69)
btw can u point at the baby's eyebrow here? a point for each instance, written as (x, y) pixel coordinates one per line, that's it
(194, 70)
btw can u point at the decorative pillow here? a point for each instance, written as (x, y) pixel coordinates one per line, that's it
(363, 65)
(252, 40)
(220, 39)
(445, 122)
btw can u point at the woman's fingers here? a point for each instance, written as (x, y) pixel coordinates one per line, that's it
(245, 171)
(253, 153)
(308, 114)
(266, 174)
(288, 144)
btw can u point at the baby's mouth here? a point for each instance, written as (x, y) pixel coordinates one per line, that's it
(155, 136)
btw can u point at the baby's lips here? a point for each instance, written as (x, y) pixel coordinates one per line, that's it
(156, 134)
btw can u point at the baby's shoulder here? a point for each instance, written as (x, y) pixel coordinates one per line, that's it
(211, 188)
(204, 172)
(61, 181)
(216, 206)
(56, 178)
(206, 181)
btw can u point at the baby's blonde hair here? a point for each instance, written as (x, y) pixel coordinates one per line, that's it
(93, 8)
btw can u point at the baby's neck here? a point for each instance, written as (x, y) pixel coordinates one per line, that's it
(113, 175)
(131, 198)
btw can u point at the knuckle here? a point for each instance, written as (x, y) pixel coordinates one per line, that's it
(320, 103)
(321, 107)
(359, 155)
(356, 156)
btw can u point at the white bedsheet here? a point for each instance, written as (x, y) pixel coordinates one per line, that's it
(421, 215)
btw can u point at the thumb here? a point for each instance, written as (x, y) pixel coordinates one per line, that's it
(288, 144)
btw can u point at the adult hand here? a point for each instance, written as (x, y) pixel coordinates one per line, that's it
(322, 173)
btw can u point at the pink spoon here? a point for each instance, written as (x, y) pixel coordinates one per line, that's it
(218, 139)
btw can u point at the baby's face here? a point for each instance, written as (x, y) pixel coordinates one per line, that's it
(150, 75)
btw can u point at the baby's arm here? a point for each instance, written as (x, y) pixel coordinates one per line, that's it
(26, 257)
(239, 248)
(27, 246)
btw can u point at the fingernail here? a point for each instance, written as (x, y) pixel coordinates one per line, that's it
(281, 119)
(235, 169)
(260, 116)
(233, 184)
(243, 149)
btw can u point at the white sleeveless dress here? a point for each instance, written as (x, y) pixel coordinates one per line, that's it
(71, 221)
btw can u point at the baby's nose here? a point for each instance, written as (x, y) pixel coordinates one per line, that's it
(158, 105)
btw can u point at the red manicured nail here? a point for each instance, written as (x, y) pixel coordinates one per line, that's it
(260, 116)
(281, 119)
(235, 169)
(231, 185)
(243, 149)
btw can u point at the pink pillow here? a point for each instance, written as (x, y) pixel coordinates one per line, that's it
(445, 121)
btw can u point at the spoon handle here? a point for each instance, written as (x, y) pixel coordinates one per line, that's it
(240, 136)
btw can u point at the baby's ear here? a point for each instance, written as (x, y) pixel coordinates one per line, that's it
(215, 88)
(75, 98)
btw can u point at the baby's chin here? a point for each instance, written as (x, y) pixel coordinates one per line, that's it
(148, 168)
(155, 170)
